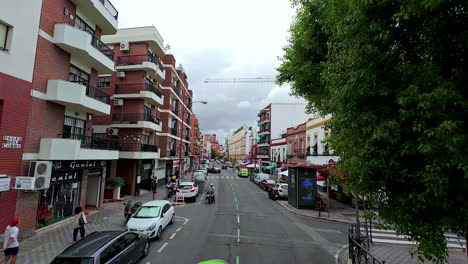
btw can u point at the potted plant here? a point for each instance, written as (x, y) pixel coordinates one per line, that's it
(116, 183)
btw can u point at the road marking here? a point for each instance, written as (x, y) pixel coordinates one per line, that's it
(178, 229)
(162, 248)
(186, 219)
(337, 255)
(237, 259)
(238, 235)
(237, 207)
(173, 235)
(238, 219)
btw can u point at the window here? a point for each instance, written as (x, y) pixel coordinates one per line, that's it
(5, 33)
(145, 139)
(73, 128)
(80, 24)
(118, 247)
(147, 110)
(104, 82)
(78, 75)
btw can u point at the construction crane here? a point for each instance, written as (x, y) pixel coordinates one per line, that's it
(242, 80)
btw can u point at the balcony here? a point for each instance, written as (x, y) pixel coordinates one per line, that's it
(89, 49)
(144, 91)
(78, 147)
(174, 131)
(263, 143)
(264, 131)
(263, 156)
(136, 120)
(101, 12)
(172, 153)
(263, 119)
(78, 95)
(186, 153)
(148, 63)
(138, 151)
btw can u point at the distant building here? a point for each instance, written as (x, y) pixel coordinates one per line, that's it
(296, 141)
(240, 145)
(318, 152)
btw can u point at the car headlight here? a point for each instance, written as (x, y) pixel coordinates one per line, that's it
(153, 226)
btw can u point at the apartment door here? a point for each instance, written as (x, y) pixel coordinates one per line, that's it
(93, 187)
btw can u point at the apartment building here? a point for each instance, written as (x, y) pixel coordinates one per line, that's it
(196, 139)
(61, 54)
(273, 121)
(318, 152)
(240, 145)
(296, 144)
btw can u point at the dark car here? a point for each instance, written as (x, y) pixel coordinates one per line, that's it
(266, 185)
(106, 247)
(214, 170)
(224, 167)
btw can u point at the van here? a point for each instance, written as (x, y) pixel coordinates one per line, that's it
(261, 176)
(243, 172)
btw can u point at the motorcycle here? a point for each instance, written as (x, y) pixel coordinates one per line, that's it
(273, 194)
(130, 209)
(170, 190)
(210, 197)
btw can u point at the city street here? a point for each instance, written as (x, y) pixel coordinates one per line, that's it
(245, 226)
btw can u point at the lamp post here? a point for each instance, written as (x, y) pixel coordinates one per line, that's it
(181, 137)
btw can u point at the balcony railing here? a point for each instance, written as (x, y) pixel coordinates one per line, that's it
(172, 152)
(93, 142)
(107, 4)
(186, 153)
(136, 87)
(91, 91)
(98, 44)
(138, 147)
(133, 118)
(174, 131)
(264, 130)
(264, 118)
(263, 142)
(138, 59)
(176, 90)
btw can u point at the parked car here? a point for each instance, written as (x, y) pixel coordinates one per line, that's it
(214, 170)
(266, 184)
(188, 190)
(224, 167)
(152, 218)
(106, 247)
(260, 176)
(282, 189)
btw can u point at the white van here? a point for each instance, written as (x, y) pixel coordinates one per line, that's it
(261, 176)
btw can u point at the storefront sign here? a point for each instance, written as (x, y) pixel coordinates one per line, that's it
(5, 184)
(66, 176)
(146, 166)
(24, 183)
(78, 164)
(12, 142)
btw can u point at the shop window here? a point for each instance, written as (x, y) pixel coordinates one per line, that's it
(104, 82)
(5, 36)
(73, 128)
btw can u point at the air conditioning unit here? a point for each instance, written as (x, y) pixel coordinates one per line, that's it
(41, 171)
(118, 102)
(125, 46)
(112, 131)
(120, 74)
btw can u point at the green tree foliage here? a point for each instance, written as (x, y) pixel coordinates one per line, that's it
(394, 76)
(216, 154)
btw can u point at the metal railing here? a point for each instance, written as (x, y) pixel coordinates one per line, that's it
(98, 44)
(174, 131)
(138, 147)
(186, 153)
(138, 59)
(359, 252)
(133, 118)
(90, 142)
(91, 91)
(135, 88)
(112, 10)
(172, 152)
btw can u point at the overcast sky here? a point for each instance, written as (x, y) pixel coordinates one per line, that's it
(221, 39)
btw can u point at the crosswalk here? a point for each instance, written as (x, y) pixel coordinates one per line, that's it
(222, 177)
(390, 237)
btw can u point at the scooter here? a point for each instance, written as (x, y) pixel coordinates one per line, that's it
(130, 209)
(210, 197)
(273, 194)
(170, 190)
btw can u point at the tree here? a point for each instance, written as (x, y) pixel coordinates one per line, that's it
(394, 76)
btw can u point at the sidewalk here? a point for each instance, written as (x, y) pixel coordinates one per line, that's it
(46, 244)
(401, 255)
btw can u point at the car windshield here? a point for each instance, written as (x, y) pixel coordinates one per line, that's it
(185, 187)
(147, 212)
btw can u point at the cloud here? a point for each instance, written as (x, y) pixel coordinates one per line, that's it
(221, 39)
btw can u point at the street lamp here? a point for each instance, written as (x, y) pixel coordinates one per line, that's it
(181, 136)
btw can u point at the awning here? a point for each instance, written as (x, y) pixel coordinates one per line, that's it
(270, 167)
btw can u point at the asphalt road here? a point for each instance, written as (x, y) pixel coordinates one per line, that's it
(245, 226)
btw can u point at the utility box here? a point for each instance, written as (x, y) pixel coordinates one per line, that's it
(302, 187)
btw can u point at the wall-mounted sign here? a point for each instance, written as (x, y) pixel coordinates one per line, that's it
(146, 166)
(12, 142)
(24, 183)
(5, 184)
(78, 164)
(66, 176)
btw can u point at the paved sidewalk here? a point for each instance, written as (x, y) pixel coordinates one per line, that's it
(45, 245)
(401, 255)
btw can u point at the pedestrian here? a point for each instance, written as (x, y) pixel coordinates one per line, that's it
(154, 187)
(10, 242)
(79, 222)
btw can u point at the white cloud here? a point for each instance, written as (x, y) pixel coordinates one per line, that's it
(244, 104)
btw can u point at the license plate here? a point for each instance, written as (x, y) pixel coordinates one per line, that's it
(185, 191)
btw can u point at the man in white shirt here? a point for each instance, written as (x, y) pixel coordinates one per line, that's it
(10, 242)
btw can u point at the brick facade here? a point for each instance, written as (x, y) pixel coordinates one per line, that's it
(296, 138)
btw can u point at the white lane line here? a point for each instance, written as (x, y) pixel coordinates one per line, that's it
(173, 235)
(186, 219)
(162, 248)
(235, 199)
(237, 207)
(337, 255)
(238, 235)
(148, 262)
(238, 219)
(237, 259)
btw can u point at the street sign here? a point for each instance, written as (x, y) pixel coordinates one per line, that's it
(24, 183)
(5, 184)
(179, 198)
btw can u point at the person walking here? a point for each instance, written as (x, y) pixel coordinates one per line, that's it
(154, 187)
(10, 242)
(79, 222)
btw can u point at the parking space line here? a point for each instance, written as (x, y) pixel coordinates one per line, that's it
(173, 235)
(162, 248)
(237, 259)
(178, 229)
(238, 235)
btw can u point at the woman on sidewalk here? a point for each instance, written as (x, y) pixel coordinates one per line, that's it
(154, 187)
(10, 242)
(79, 222)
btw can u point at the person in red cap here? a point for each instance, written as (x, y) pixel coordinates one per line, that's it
(10, 242)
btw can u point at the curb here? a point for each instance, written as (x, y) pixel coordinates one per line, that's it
(316, 217)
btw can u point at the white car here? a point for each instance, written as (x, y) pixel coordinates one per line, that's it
(151, 218)
(205, 171)
(188, 190)
(282, 189)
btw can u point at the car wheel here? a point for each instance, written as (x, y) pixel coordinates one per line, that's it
(172, 219)
(146, 249)
(158, 234)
